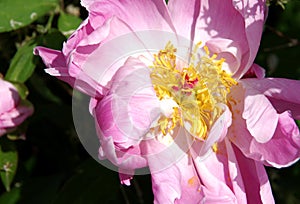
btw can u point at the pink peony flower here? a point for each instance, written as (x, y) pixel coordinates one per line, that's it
(204, 123)
(12, 111)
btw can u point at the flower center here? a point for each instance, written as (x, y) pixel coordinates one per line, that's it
(197, 89)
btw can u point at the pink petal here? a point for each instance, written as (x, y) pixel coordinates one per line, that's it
(261, 118)
(104, 61)
(255, 71)
(282, 93)
(9, 96)
(281, 150)
(125, 159)
(121, 117)
(131, 92)
(184, 16)
(125, 178)
(56, 62)
(147, 14)
(227, 49)
(12, 112)
(51, 58)
(256, 182)
(220, 20)
(254, 13)
(74, 40)
(15, 116)
(177, 184)
(216, 134)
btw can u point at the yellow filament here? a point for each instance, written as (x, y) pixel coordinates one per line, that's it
(198, 89)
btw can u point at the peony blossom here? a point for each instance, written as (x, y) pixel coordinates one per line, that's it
(12, 111)
(195, 110)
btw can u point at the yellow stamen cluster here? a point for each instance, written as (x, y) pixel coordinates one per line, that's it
(197, 88)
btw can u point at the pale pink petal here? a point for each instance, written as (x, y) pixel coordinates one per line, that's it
(216, 134)
(228, 50)
(281, 92)
(210, 23)
(110, 55)
(139, 14)
(233, 175)
(254, 13)
(9, 96)
(281, 150)
(215, 189)
(55, 60)
(261, 118)
(255, 179)
(177, 184)
(125, 159)
(12, 111)
(184, 16)
(284, 148)
(15, 116)
(131, 92)
(122, 119)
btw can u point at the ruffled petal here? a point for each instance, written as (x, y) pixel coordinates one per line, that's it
(121, 117)
(261, 117)
(12, 110)
(281, 150)
(228, 50)
(15, 116)
(126, 118)
(125, 159)
(281, 92)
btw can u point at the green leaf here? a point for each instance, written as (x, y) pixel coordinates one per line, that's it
(22, 65)
(19, 13)
(53, 39)
(11, 197)
(8, 162)
(67, 23)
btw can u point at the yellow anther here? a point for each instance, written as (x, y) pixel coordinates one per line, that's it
(197, 89)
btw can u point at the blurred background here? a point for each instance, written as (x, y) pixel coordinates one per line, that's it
(52, 165)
